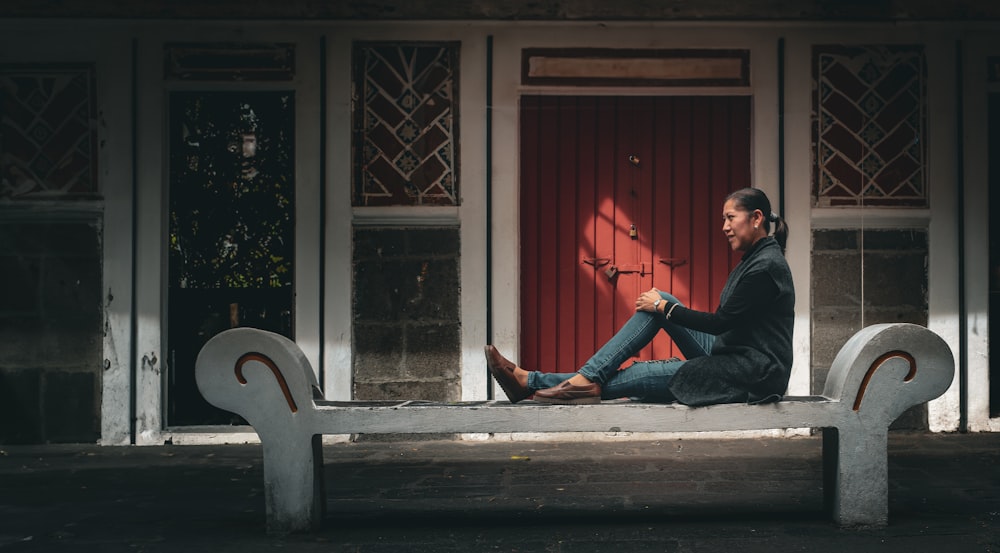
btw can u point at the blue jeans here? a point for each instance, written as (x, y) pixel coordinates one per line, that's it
(643, 380)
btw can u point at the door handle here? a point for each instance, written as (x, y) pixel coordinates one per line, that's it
(596, 262)
(673, 261)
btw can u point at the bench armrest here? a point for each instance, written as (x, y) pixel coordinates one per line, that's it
(259, 375)
(885, 369)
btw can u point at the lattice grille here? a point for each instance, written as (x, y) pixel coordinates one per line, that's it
(48, 132)
(869, 114)
(405, 124)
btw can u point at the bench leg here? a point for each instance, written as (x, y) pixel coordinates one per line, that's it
(856, 476)
(293, 485)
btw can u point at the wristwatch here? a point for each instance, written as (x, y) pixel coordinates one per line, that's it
(656, 304)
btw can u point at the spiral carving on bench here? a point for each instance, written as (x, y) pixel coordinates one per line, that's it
(255, 356)
(878, 363)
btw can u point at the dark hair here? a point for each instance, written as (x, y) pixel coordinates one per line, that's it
(750, 199)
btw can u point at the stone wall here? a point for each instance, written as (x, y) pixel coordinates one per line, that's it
(50, 331)
(865, 277)
(406, 320)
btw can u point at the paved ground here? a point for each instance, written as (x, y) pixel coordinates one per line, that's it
(669, 496)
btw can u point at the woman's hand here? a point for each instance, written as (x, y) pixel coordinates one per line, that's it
(646, 300)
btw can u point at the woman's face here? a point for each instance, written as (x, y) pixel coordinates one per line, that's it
(738, 226)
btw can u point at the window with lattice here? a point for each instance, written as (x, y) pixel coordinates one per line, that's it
(405, 124)
(48, 132)
(869, 126)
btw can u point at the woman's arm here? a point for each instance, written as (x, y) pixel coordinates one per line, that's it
(754, 291)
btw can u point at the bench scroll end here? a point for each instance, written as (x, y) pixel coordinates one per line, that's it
(885, 369)
(256, 374)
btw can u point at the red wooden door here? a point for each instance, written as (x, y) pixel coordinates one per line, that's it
(627, 184)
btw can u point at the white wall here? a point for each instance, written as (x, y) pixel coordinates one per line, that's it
(976, 48)
(939, 219)
(33, 42)
(110, 45)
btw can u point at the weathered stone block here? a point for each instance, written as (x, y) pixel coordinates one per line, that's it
(434, 338)
(430, 290)
(836, 279)
(71, 414)
(436, 241)
(895, 279)
(51, 334)
(831, 328)
(378, 243)
(896, 314)
(60, 343)
(21, 340)
(378, 354)
(71, 285)
(20, 406)
(19, 282)
(378, 338)
(433, 351)
(55, 237)
(895, 240)
(833, 240)
(410, 289)
(425, 390)
(377, 293)
(30, 342)
(406, 314)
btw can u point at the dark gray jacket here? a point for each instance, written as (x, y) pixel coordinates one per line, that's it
(751, 359)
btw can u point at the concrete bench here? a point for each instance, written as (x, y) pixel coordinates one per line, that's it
(879, 373)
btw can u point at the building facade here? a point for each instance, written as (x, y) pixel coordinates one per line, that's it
(395, 189)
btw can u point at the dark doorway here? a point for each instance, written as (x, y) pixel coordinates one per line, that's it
(231, 230)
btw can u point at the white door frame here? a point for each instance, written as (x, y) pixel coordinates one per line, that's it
(977, 226)
(762, 44)
(151, 232)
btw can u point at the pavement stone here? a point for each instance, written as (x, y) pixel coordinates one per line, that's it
(684, 495)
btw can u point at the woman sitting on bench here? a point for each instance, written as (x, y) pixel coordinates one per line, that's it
(740, 353)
